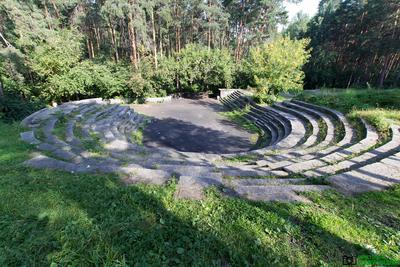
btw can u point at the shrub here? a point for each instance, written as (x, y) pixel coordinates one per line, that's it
(277, 66)
(14, 107)
(202, 69)
(87, 79)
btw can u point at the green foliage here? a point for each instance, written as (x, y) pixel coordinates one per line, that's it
(298, 27)
(276, 66)
(14, 107)
(88, 79)
(355, 44)
(58, 54)
(201, 69)
(150, 82)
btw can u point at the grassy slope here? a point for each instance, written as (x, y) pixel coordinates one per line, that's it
(56, 217)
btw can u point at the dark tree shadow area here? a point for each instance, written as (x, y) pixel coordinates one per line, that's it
(188, 137)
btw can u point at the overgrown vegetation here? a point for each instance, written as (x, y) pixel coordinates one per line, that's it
(58, 218)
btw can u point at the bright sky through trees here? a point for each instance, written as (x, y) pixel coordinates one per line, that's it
(309, 7)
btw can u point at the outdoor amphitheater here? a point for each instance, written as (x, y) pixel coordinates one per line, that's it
(300, 147)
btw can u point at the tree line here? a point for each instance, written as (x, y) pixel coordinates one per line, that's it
(56, 50)
(49, 46)
(355, 43)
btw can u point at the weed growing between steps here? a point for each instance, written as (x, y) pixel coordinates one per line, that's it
(242, 158)
(53, 217)
(339, 132)
(323, 128)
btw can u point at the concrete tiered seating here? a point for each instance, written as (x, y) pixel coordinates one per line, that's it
(328, 156)
(96, 136)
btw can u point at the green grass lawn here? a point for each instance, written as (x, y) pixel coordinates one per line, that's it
(57, 218)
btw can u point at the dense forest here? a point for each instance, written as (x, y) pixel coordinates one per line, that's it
(354, 43)
(56, 50)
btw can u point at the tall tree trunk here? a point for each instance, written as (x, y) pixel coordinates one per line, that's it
(46, 13)
(154, 39)
(161, 43)
(136, 45)
(239, 39)
(97, 36)
(55, 9)
(383, 72)
(113, 40)
(209, 27)
(132, 42)
(1, 88)
(7, 43)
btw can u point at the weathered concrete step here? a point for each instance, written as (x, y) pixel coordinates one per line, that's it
(268, 135)
(45, 162)
(190, 170)
(136, 174)
(306, 120)
(286, 193)
(264, 115)
(265, 123)
(338, 155)
(250, 171)
(392, 147)
(29, 137)
(271, 116)
(349, 133)
(261, 182)
(192, 187)
(283, 120)
(44, 114)
(329, 138)
(296, 134)
(373, 177)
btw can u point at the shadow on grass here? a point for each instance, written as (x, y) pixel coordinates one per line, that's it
(50, 216)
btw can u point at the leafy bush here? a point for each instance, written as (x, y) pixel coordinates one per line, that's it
(87, 79)
(14, 107)
(277, 66)
(58, 54)
(202, 69)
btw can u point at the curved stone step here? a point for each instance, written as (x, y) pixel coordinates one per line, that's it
(329, 138)
(296, 135)
(263, 182)
(272, 122)
(306, 120)
(30, 138)
(349, 134)
(392, 147)
(190, 187)
(321, 159)
(274, 118)
(372, 177)
(285, 193)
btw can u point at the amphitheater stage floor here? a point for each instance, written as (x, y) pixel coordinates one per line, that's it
(193, 126)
